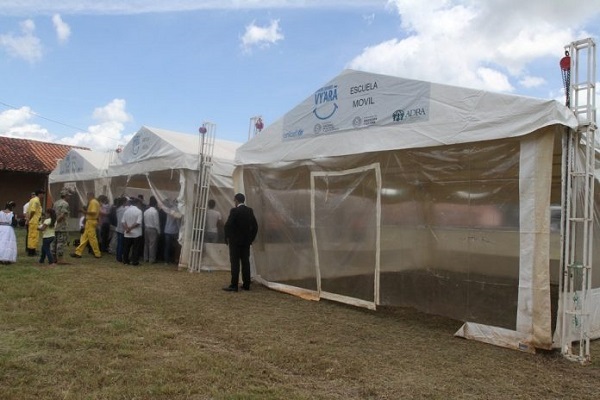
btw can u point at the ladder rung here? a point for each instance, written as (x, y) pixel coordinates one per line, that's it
(577, 312)
(579, 219)
(578, 265)
(577, 174)
(583, 85)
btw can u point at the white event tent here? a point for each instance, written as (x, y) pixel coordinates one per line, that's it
(378, 190)
(82, 171)
(163, 164)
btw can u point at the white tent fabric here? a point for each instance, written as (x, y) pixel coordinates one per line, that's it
(160, 163)
(82, 171)
(81, 165)
(155, 149)
(379, 190)
(370, 112)
(165, 164)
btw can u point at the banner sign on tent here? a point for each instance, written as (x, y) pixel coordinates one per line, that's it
(347, 104)
(143, 144)
(72, 163)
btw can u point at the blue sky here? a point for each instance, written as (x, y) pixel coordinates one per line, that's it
(92, 72)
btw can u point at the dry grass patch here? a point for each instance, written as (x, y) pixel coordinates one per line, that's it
(100, 330)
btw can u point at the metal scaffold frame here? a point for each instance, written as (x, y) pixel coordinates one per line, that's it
(578, 161)
(201, 193)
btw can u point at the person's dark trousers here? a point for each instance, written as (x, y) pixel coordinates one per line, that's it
(240, 254)
(104, 237)
(120, 241)
(131, 250)
(46, 252)
(170, 239)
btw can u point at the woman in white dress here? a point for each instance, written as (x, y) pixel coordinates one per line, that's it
(8, 240)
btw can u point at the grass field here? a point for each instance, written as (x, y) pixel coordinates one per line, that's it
(97, 329)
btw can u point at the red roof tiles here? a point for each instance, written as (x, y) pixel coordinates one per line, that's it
(24, 155)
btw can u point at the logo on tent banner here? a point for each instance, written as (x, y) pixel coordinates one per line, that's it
(71, 164)
(325, 102)
(409, 115)
(325, 127)
(297, 133)
(361, 122)
(135, 145)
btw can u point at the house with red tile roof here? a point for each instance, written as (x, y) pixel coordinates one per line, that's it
(24, 167)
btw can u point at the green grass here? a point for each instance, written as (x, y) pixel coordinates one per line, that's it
(96, 329)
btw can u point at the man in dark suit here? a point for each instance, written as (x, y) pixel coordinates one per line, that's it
(240, 231)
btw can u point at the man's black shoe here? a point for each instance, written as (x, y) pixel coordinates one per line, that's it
(75, 255)
(230, 289)
(246, 287)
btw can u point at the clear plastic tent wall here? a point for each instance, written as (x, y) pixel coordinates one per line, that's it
(164, 164)
(82, 171)
(452, 212)
(159, 163)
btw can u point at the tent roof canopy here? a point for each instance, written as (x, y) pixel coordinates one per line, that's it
(80, 164)
(150, 149)
(358, 112)
(155, 149)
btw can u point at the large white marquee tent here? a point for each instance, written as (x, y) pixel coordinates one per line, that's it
(160, 163)
(166, 164)
(378, 190)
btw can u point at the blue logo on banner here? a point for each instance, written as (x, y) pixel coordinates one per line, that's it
(325, 102)
(136, 145)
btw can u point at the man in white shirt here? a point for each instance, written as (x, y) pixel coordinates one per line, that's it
(151, 231)
(213, 221)
(26, 207)
(120, 232)
(132, 232)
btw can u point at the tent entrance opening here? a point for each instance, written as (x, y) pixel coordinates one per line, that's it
(345, 212)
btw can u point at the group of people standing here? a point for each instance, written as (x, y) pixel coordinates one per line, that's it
(138, 228)
(129, 229)
(49, 226)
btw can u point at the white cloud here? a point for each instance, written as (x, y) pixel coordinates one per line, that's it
(16, 123)
(112, 112)
(63, 30)
(108, 133)
(261, 36)
(495, 79)
(12, 118)
(532, 81)
(473, 43)
(26, 46)
(30, 7)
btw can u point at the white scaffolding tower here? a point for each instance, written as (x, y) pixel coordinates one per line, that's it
(578, 203)
(199, 207)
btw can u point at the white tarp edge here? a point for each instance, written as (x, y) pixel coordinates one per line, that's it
(496, 336)
(535, 178)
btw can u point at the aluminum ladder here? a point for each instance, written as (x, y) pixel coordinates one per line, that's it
(577, 223)
(201, 193)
